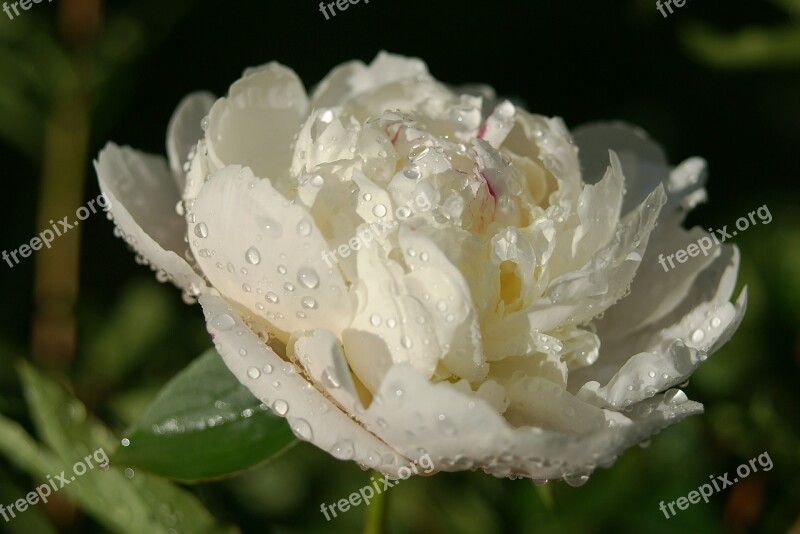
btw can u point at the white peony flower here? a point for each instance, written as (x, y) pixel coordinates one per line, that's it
(521, 325)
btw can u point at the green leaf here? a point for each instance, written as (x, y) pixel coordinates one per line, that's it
(120, 501)
(203, 425)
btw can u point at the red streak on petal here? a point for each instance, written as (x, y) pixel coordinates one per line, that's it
(488, 184)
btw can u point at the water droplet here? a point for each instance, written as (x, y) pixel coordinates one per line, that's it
(317, 180)
(379, 210)
(308, 277)
(651, 374)
(326, 116)
(242, 352)
(675, 396)
(253, 372)
(412, 173)
(272, 297)
(698, 335)
(418, 152)
(267, 368)
(406, 342)
(280, 407)
(252, 256)
(391, 323)
(288, 286)
(343, 450)
(576, 481)
(329, 378)
(201, 230)
(246, 288)
(375, 319)
(424, 256)
(302, 429)
(304, 228)
(272, 229)
(715, 322)
(281, 269)
(309, 303)
(223, 322)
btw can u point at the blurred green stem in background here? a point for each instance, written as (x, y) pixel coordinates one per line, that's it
(375, 516)
(66, 152)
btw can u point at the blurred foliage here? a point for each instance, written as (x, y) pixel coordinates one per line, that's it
(135, 335)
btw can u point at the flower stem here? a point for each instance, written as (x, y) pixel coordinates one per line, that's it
(376, 512)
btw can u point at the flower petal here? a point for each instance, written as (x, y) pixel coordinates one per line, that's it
(274, 382)
(269, 257)
(256, 123)
(459, 432)
(354, 78)
(143, 195)
(185, 130)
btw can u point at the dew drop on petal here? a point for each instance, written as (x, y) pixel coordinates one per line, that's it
(309, 303)
(223, 322)
(280, 407)
(308, 277)
(412, 173)
(379, 210)
(304, 228)
(343, 450)
(272, 229)
(715, 322)
(252, 256)
(302, 429)
(675, 396)
(201, 230)
(281, 269)
(329, 378)
(253, 372)
(375, 319)
(576, 480)
(272, 297)
(698, 335)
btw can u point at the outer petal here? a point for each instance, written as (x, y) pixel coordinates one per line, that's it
(311, 415)
(143, 196)
(265, 253)
(256, 123)
(462, 432)
(354, 78)
(185, 130)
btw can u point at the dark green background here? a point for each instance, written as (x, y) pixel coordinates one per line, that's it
(691, 80)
